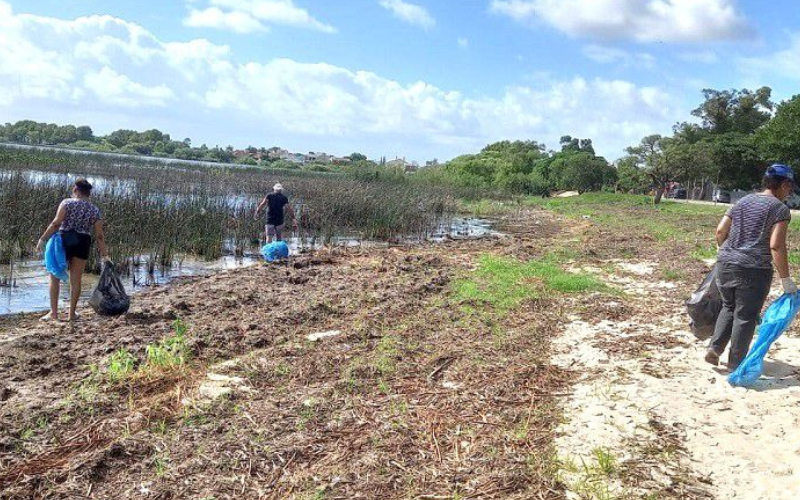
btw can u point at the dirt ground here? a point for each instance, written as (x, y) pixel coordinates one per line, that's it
(411, 396)
(364, 374)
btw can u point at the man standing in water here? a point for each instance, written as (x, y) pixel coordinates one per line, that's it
(275, 202)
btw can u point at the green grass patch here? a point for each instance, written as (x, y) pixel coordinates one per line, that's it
(121, 364)
(504, 283)
(704, 252)
(388, 351)
(172, 351)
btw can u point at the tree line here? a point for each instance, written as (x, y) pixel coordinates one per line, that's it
(151, 142)
(739, 133)
(736, 134)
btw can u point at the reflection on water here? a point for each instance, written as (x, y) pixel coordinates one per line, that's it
(27, 288)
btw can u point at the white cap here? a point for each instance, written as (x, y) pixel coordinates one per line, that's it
(277, 187)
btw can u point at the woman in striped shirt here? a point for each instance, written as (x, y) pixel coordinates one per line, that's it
(752, 239)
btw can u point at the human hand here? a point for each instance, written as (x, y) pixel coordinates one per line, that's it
(789, 286)
(40, 246)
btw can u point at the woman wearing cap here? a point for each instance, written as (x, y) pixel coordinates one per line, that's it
(275, 203)
(75, 219)
(752, 239)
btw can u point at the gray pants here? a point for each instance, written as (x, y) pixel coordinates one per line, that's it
(743, 292)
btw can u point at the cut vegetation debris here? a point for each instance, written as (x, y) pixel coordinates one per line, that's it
(541, 365)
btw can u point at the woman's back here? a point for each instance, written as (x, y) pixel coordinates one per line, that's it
(81, 215)
(753, 217)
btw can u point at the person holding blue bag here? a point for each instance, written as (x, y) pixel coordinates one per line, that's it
(68, 240)
(751, 238)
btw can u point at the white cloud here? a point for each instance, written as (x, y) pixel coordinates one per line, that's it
(623, 58)
(112, 88)
(247, 16)
(409, 12)
(783, 62)
(118, 74)
(462, 42)
(212, 17)
(640, 20)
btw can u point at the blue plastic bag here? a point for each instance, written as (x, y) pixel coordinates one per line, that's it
(777, 318)
(275, 250)
(55, 258)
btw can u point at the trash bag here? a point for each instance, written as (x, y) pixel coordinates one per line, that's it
(704, 306)
(109, 297)
(55, 258)
(275, 250)
(777, 318)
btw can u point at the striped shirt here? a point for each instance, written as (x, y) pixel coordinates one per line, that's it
(748, 240)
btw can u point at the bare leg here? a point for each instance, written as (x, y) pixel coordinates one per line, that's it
(55, 289)
(76, 267)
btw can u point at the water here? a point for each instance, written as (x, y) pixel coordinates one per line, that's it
(28, 288)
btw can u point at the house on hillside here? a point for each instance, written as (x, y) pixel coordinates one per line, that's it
(318, 157)
(276, 153)
(343, 160)
(403, 164)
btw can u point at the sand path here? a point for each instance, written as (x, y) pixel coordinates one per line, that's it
(736, 443)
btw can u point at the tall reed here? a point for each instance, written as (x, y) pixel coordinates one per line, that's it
(156, 211)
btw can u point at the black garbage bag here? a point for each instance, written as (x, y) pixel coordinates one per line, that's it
(704, 306)
(109, 298)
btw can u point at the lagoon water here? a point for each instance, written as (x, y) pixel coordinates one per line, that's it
(25, 287)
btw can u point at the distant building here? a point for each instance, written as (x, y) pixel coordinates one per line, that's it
(344, 160)
(403, 164)
(312, 157)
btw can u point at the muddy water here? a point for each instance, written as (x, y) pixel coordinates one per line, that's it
(25, 288)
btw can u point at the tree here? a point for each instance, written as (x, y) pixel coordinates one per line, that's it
(648, 156)
(357, 157)
(581, 171)
(779, 140)
(84, 133)
(630, 177)
(735, 110)
(569, 143)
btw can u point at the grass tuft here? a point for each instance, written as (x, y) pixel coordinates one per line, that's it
(505, 283)
(171, 352)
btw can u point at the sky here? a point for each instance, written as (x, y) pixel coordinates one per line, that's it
(419, 79)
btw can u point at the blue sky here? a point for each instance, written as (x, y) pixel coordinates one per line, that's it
(422, 79)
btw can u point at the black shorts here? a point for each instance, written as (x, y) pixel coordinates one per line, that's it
(76, 244)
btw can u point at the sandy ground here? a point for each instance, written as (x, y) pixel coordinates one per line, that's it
(732, 442)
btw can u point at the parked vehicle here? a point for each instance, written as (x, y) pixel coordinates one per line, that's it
(721, 196)
(678, 193)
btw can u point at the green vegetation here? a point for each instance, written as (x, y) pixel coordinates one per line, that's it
(667, 222)
(154, 212)
(171, 352)
(120, 365)
(736, 139)
(504, 283)
(524, 167)
(593, 480)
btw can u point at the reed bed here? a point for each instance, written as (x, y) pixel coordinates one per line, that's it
(156, 211)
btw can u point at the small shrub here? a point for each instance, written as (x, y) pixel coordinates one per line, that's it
(171, 352)
(120, 365)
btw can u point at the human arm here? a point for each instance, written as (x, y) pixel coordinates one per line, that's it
(260, 207)
(723, 230)
(100, 236)
(61, 214)
(780, 255)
